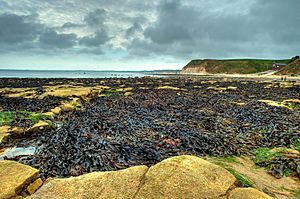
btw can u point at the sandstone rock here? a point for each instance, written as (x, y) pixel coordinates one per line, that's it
(71, 105)
(285, 151)
(170, 88)
(3, 132)
(41, 125)
(14, 177)
(56, 110)
(50, 114)
(114, 184)
(127, 94)
(177, 177)
(8, 130)
(34, 186)
(67, 107)
(248, 193)
(185, 177)
(125, 89)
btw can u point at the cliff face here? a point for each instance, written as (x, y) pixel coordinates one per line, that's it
(234, 66)
(195, 66)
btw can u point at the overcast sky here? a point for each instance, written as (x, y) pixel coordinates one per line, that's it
(143, 35)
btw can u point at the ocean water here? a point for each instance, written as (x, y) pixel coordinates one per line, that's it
(72, 74)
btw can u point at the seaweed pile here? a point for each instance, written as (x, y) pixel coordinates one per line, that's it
(115, 132)
(29, 104)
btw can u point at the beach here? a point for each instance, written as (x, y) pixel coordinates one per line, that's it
(68, 127)
(165, 111)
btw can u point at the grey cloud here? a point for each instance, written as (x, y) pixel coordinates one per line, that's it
(71, 25)
(133, 30)
(164, 28)
(100, 37)
(92, 50)
(25, 32)
(96, 18)
(183, 30)
(18, 29)
(279, 19)
(52, 39)
(171, 23)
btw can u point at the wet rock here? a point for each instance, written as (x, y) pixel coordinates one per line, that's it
(185, 177)
(11, 153)
(115, 184)
(248, 193)
(15, 177)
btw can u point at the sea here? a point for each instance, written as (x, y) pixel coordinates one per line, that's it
(80, 74)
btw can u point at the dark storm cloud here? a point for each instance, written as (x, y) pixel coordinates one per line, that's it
(280, 19)
(165, 28)
(18, 29)
(52, 39)
(183, 30)
(100, 37)
(25, 33)
(170, 25)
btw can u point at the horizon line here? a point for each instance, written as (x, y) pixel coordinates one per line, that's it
(89, 70)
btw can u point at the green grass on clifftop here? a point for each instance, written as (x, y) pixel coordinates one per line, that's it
(239, 66)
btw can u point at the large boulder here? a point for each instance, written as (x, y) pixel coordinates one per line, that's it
(113, 184)
(248, 193)
(14, 178)
(186, 177)
(177, 177)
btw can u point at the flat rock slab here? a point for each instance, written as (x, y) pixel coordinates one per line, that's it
(113, 184)
(186, 177)
(248, 193)
(178, 177)
(14, 177)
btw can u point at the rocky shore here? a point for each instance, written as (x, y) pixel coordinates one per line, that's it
(82, 127)
(177, 177)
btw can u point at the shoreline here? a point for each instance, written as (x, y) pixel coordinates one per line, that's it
(69, 127)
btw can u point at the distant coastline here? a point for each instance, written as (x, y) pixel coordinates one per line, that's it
(18, 73)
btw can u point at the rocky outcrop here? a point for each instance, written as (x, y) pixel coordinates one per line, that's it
(17, 132)
(40, 126)
(248, 193)
(6, 131)
(14, 178)
(186, 177)
(114, 184)
(177, 177)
